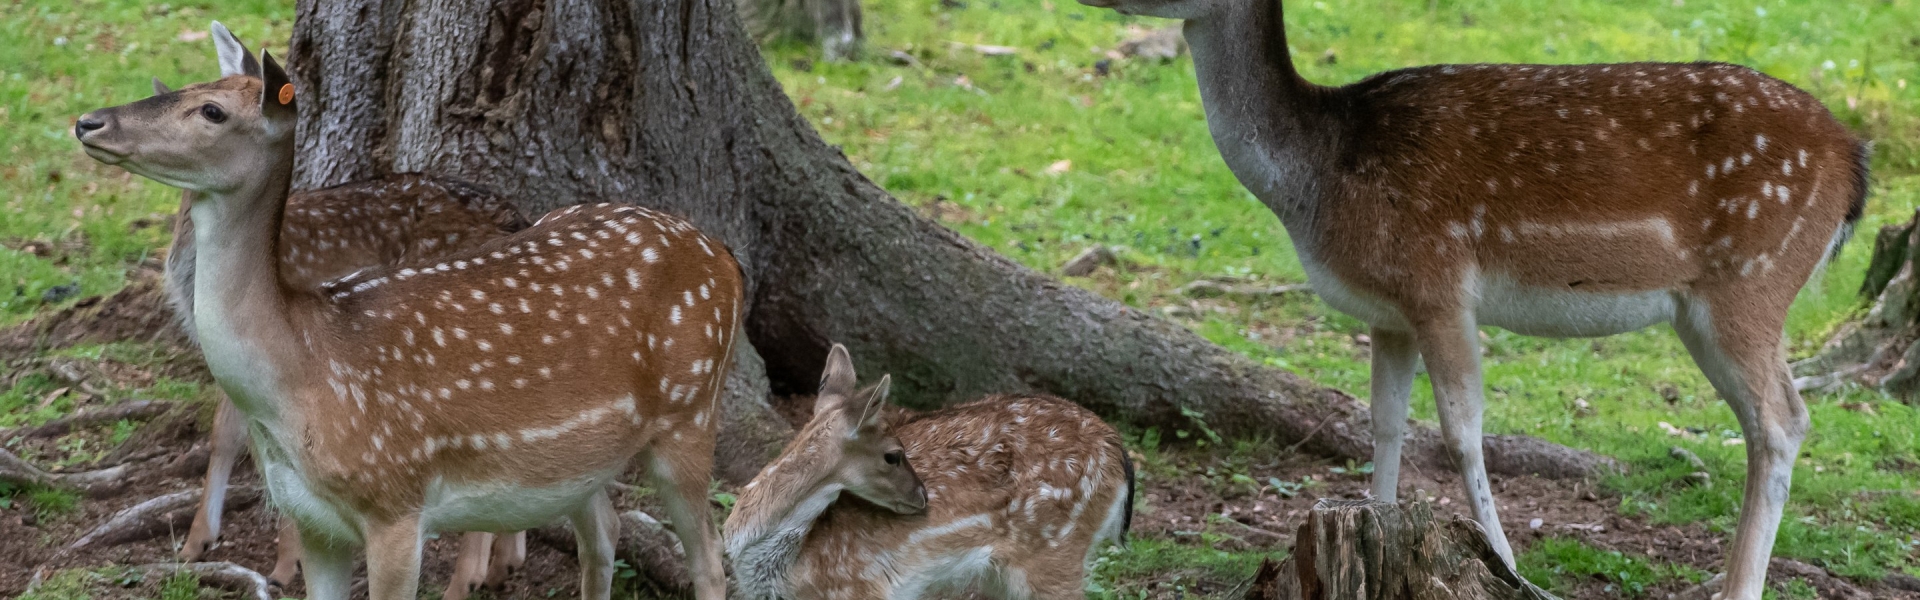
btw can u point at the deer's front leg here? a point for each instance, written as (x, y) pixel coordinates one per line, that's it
(595, 527)
(681, 470)
(1451, 347)
(229, 439)
(393, 558)
(1393, 363)
(328, 565)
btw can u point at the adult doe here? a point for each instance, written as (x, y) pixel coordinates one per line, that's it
(1010, 495)
(1560, 201)
(494, 390)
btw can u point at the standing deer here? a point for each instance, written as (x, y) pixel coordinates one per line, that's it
(495, 390)
(326, 235)
(1559, 201)
(1012, 495)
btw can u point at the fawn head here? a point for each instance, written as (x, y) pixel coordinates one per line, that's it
(1170, 9)
(848, 431)
(206, 137)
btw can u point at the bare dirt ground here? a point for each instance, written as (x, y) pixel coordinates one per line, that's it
(1180, 498)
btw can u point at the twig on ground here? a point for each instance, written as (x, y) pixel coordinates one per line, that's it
(220, 575)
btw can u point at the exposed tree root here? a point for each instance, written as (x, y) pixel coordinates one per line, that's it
(156, 516)
(130, 410)
(1878, 351)
(246, 582)
(103, 482)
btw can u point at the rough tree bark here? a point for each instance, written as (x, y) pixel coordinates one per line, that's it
(1380, 551)
(1877, 351)
(668, 104)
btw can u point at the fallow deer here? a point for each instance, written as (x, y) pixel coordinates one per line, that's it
(1550, 200)
(394, 220)
(496, 389)
(326, 235)
(1009, 495)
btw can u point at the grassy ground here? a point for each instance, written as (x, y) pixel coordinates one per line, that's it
(1048, 150)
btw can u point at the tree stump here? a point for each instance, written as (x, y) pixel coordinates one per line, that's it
(1370, 550)
(1878, 350)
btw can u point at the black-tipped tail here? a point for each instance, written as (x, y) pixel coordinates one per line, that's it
(1126, 519)
(1857, 207)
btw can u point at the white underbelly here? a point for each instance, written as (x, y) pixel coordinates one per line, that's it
(1496, 300)
(1563, 313)
(505, 506)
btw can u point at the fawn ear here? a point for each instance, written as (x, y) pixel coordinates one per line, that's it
(276, 98)
(234, 59)
(875, 403)
(836, 381)
(160, 88)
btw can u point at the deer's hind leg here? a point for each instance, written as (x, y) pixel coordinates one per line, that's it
(1739, 347)
(1450, 343)
(471, 566)
(509, 554)
(682, 469)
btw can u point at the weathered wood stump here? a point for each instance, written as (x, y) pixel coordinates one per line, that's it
(1370, 550)
(1877, 351)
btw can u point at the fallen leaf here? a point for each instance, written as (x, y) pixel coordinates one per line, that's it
(191, 35)
(55, 395)
(1060, 166)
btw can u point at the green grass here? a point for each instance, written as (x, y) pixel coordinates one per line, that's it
(971, 138)
(1556, 562)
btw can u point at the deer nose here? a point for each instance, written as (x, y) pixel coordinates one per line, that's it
(87, 123)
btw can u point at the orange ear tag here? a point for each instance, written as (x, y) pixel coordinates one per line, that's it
(286, 94)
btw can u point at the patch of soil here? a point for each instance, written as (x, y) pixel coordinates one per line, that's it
(137, 312)
(1189, 499)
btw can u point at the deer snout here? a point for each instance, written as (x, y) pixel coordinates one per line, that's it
(88, 123)
(916, 502)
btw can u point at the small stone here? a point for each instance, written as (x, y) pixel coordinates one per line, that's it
(1536, 523)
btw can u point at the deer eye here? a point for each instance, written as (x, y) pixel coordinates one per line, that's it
(213, 113)
(896, 457)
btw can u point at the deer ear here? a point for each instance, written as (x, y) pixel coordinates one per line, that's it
(160, 88)
(838, 375)
(875, 404)
(276, 98)
(234, 59)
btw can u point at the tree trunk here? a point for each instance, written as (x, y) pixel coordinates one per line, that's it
(668, 104)
(1878, 350)
(1377, 551)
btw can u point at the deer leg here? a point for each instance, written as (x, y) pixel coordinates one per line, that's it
(471, 566)
(393, 559)
(509, 553)
(595, 527)
(229, 439)
(1451, 348)
(287, 566)
(1393, 363)
(683, 477)
(1744, 361)
(328, 564)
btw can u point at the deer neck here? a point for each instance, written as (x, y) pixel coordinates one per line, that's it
(240, 309)
(1272, 127)
(776, 511)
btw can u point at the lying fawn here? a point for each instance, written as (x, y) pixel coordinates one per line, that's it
(326, 235)
(1009, 494)
(495, 390)
(1560, 201)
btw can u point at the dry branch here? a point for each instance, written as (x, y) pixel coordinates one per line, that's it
(246, 582)
(156, 516)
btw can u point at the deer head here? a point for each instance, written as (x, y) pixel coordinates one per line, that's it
(848, 431)
(203, 137)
